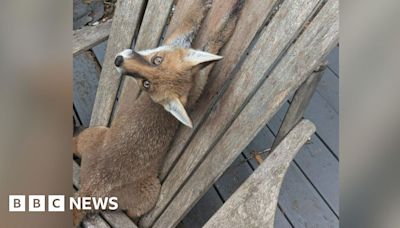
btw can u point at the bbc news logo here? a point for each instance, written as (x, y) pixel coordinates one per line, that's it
(56, 203)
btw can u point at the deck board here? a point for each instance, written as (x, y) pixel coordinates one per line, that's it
(318, 164)
(204, 209)
(333, 60)
(328, 88)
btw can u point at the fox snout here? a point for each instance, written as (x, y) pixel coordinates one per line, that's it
(119, 59)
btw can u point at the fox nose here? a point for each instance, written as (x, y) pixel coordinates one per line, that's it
(118, 61)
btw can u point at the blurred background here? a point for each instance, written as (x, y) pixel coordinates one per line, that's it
(36, 101)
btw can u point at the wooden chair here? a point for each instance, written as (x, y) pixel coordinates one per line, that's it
(276, 50)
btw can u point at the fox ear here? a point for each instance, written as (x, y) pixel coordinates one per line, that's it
(196, 57)
(176, 108)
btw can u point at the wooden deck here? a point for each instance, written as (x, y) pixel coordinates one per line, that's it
(310, 193)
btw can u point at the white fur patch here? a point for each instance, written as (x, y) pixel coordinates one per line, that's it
(154, 50)
(125, 53)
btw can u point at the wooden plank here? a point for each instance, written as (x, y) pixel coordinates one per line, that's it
(114, 218)
(326, 120)
(309, 210)
(154, 20)
(94, 221)
(100, 51)
(290, 72)
(317, 163)
(204, 209)
(280, 220)
(333, 60)
(328, 88)
(118, 219)
(85, 75)
(299, 104)
(125, 23)
(89, 36)
(254, 203)
(273, 41)
(255, 14)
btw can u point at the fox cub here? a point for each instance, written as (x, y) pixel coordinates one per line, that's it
(124, 160)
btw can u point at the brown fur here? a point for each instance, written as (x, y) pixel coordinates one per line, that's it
(125, 159)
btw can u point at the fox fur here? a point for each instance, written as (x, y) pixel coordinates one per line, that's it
(124, 160)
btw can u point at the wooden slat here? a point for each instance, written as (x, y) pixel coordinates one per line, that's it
(272, 42)
(125, 23)
(114, 218)
(254, 203)
(317, 163)
(89, 36)
(86, 72)
(95, 221)
(118, 219)
(292, 70)
(299, 104)
(254, 14)
(154, 19)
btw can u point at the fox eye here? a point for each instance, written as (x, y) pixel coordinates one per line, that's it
(157, 60)
(146, 84)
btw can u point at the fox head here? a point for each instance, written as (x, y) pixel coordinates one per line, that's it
(166, 73)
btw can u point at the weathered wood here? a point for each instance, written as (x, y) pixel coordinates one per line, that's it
(89, 36)
(254, 14)
(290, 72)
(153, 23)
(85, 71)
(114, 218)
(299, 103)
(118, 219)
(94, 221)
(204, 209)
(318, 165)
(254, 203)
(125, 24)
(272, 42)
(154, 20)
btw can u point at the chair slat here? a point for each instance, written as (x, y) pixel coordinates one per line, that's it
(125, 22)
(89, 36)
(254, 203)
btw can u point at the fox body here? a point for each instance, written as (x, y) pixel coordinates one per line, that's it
(124, 160)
